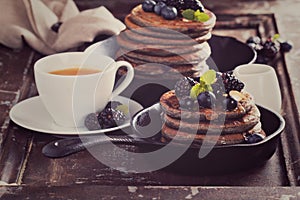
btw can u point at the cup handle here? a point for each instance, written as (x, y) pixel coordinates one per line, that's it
(129, 77)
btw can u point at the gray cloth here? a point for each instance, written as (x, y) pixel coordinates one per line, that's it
(32, 20)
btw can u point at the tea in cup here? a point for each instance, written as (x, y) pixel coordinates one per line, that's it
(71, 85)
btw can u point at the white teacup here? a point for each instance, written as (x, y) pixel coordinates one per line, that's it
(261, 81)
(70, 98)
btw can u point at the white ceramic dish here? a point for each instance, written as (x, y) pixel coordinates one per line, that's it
(32, 114)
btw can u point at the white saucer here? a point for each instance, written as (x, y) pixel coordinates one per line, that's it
(32, 114)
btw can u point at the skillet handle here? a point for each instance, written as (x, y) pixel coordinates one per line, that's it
(64, 147)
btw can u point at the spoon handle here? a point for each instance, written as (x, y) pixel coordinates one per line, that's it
(64, 147)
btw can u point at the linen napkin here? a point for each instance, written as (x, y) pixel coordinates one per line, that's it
(51, 26)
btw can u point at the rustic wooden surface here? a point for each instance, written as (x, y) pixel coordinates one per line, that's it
(26, 174)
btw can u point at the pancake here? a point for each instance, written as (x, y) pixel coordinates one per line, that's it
(172, 60)
(170, 105)
(151, 31)
(226, 126)
(159, 49)
(131, 35)
(156, 71)
(182, 136)
(143, 19)
(187, 41)
(180, 44)
(213, 125)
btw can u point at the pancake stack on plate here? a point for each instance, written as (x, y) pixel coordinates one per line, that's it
(219, 115)
(160, 48)
(220, 127)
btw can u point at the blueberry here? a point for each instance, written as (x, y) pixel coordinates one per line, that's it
(253, 138)
(144, 119)
(148, 5)
(230, 104)
(254, 39)
(206, 99)
(55, 27)
(285, 46)
(158, 7)
(169, 12)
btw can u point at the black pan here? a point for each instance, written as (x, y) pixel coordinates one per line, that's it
(225, 158)
(221, 159)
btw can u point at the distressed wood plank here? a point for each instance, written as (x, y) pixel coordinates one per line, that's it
(150, 192)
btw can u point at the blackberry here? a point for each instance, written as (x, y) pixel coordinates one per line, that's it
(181, 5)
(183, 87)
(218, 86)
(178, 4)
(269, 49)
(91, 122)
(110, 117)
(188, 103)
(231, 82)
(194, 5)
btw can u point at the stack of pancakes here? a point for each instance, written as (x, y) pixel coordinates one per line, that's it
(156, 46)
(215, 126)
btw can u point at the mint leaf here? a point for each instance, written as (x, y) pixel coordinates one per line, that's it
(201, 16)
(209, 77)
(275, 37)
(208, 88)
(188, 14)
(205, 82)
(197, 89)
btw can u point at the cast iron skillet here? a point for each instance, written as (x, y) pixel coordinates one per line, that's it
(222, 159)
